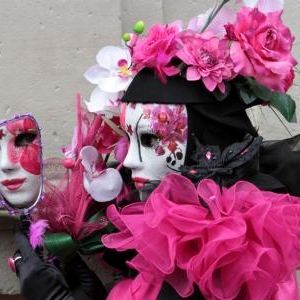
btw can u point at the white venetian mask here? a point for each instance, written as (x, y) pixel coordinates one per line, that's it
(157, 139)
(20, 163)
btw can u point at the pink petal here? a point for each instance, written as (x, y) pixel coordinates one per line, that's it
(241, 62)
(192, 74)
(209, 83)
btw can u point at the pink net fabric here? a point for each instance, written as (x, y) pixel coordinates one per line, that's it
(241, 243)
(67, 205)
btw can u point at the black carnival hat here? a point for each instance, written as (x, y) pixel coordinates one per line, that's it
(221, 127)
(211, 121)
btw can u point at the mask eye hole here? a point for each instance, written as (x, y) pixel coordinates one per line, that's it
(25, 138)
(149, 140)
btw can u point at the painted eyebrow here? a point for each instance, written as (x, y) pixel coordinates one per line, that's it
(137, 136)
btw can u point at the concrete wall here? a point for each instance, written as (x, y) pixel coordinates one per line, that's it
(46, 46)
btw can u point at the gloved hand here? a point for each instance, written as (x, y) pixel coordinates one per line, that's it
(83, 280)
(38, 280)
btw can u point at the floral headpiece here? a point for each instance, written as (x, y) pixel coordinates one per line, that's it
(249, 50)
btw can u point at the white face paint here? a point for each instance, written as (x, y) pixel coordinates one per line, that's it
(157, 139)
(20, 165)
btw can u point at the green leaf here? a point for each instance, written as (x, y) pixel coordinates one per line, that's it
(247, 95)
(221, 96)
(285, 105)
(243, 88)
(261, 91)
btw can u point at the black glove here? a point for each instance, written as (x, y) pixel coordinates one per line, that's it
(83, 280)
(38, 280)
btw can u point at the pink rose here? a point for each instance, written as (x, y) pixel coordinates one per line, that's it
(262, 48)
(207, 58)
(157, 50)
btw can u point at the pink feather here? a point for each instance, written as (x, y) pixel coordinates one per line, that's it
(36, 233)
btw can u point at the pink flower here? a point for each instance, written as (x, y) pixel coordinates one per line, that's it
(207, 58)
(157, 50)
(262, 48)
(102, 184)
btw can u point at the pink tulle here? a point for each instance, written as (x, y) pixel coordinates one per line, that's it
(66, 204)
(243, 245)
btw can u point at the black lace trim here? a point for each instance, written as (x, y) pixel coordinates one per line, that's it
(236, 161)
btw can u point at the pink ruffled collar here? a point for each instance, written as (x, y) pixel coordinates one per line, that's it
(245, 245)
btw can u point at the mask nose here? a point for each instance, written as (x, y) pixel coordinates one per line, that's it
(133, 159)
(6, 165)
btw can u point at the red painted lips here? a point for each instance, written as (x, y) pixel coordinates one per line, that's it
(13, 184)
(139, 181)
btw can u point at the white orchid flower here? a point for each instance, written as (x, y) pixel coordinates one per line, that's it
(265, 6)
(224, 16)
(103, 102)
(103, 185)
(112, 74)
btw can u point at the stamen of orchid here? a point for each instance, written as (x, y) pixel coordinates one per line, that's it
(124, 71)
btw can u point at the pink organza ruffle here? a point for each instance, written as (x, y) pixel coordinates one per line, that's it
(241, 243)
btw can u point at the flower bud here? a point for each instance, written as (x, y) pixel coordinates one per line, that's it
(139, 27)
(126, 37)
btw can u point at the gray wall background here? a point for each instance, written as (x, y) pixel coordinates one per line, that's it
(47, 45)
